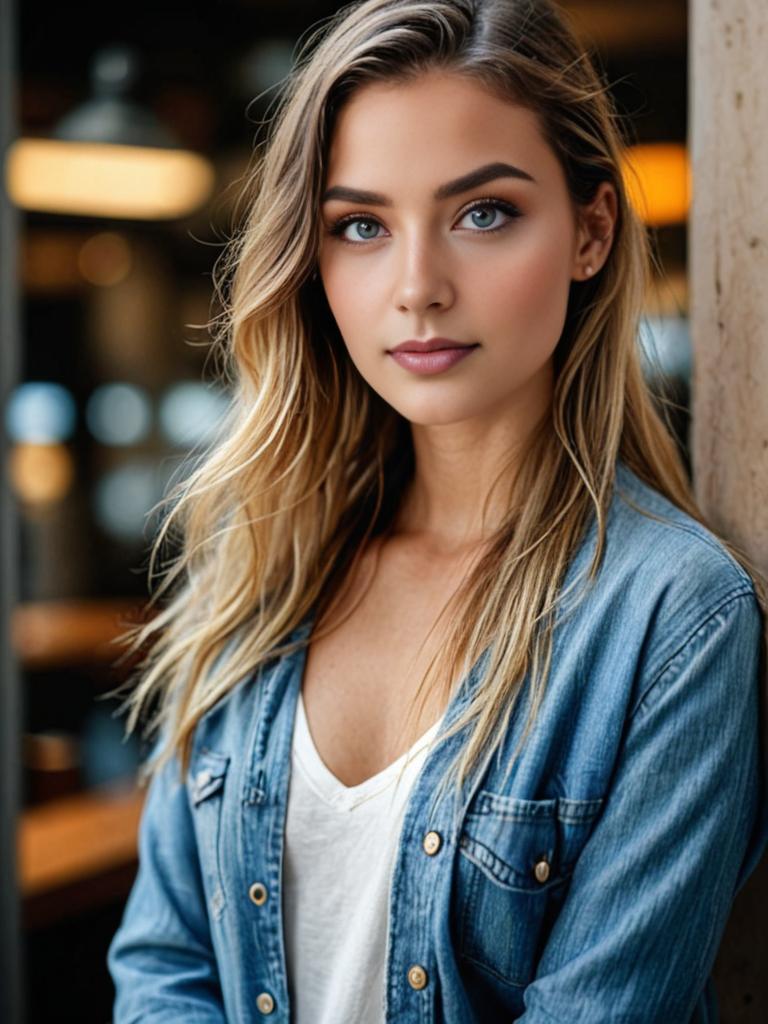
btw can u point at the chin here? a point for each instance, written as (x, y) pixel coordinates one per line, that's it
(435, 413)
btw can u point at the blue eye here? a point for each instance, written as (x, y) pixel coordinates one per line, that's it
(484, 215)
(340, 228)
(479, 211)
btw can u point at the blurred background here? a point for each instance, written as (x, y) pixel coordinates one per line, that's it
(127, 132)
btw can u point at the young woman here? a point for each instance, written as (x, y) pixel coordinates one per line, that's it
(456, 695)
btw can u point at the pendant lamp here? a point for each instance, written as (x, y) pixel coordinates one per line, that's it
(109, 157)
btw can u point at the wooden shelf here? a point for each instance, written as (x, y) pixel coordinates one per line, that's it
(78, 851)
(59, 634)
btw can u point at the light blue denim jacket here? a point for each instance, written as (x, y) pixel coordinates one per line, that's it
(593, 887)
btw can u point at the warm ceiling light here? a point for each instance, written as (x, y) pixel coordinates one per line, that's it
(106, 180)
(109, 157)
(657, 177)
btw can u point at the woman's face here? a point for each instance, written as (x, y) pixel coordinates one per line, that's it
(485, 262)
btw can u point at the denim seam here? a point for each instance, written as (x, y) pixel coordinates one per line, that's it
(657, 514)
(728, 599)
(491, 970)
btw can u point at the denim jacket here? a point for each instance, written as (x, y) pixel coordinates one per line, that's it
(593, 887)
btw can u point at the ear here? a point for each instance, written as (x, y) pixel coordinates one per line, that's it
(594, 234)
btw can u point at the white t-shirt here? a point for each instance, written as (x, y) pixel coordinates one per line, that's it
(340, 846)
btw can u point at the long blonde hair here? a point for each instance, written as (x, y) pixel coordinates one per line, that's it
(311, 462)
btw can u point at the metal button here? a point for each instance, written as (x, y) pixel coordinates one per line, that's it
(432, 843)
(542, 870)
(417, 976)
(265, 1002)
(258, 893)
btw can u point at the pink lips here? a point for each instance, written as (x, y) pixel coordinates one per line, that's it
(432, 356)
(431, 362)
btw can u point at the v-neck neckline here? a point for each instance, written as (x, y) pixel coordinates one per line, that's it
(328, 786)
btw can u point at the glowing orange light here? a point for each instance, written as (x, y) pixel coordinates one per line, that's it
(41, 473)
(657, 177)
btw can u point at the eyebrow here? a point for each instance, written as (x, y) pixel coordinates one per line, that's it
(480, 176)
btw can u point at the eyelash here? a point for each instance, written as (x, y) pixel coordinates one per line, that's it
(337, 229)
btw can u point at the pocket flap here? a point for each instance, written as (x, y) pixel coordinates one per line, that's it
(507, 837)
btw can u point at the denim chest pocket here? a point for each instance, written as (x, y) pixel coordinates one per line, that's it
(515, 859)
(206, 784)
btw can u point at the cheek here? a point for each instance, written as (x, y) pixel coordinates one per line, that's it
(350, 293)
(525, 295)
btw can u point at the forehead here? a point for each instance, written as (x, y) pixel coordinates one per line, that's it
(431, 129)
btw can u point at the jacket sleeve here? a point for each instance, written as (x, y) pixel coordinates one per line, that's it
(161, 958)
(683, 825)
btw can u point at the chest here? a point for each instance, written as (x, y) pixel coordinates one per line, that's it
(365, 663)
(473, 882)
(477, 894)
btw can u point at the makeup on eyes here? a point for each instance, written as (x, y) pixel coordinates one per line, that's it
(486, 203)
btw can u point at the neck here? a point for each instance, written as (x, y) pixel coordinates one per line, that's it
(463, 485)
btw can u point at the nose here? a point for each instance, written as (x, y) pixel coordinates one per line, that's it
(422, 281)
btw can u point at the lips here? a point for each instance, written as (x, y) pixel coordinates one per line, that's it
(431, 345)
(436, 360)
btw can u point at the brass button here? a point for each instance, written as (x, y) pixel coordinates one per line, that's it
(542, 870)
(432, 843)
(417, 976)
(265, 1002)
(258, 893)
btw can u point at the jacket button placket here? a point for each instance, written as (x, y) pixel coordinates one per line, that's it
(409, 981)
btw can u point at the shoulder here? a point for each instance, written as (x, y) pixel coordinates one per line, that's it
(652, 539)
(663, 576)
